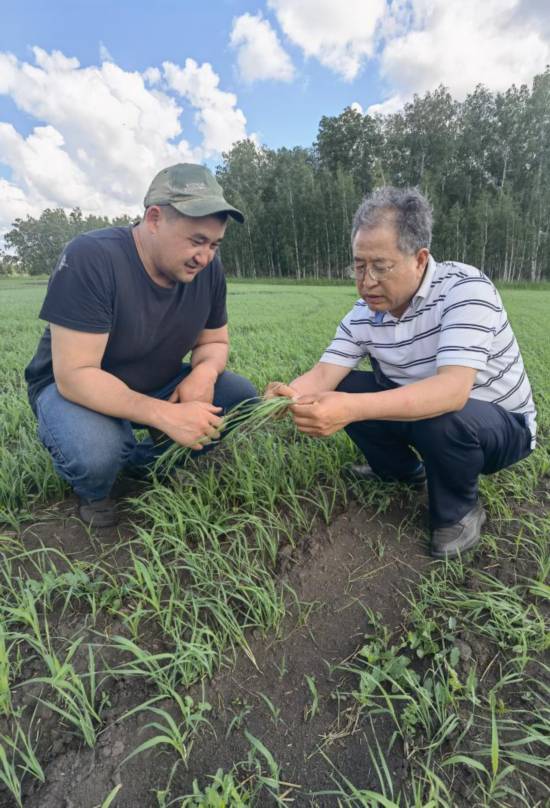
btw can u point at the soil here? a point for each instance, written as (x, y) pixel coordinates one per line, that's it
(355, 564)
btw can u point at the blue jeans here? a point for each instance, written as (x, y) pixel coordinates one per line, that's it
(456, 448)
(89, 449)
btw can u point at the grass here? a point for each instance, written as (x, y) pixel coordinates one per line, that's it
(198, 574)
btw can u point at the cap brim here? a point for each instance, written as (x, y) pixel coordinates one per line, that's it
(207, 206)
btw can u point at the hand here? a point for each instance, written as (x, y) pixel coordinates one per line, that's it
(192, 424)
(276, 389)
(197, 386)
(322, 414)
(279, 390)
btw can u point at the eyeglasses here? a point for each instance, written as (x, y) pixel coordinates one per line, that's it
(375, 273)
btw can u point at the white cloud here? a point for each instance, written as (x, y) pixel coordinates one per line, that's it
(390, 105)
(356, 107)
(152, 75)
(14, 203)
(44, 165)
(420, 44)
(217, 116)
(340, 35)
(102, 132)
(464, 43)
(260, 55)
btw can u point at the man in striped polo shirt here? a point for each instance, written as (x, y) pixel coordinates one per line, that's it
(448, 379)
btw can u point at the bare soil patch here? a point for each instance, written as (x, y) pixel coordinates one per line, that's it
(337, 574)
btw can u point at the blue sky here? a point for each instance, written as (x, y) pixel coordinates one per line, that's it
(139, 35)
(96, 96)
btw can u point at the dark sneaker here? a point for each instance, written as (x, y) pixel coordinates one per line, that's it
(98, 512)
(363, 471)
(449, 542)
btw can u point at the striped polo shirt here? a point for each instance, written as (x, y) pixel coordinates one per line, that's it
(455, 318)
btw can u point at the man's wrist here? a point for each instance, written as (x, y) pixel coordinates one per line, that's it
(149, 411)
(205, 369)
(358, 406)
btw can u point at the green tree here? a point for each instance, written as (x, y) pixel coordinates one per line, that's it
(38, 243)
(350, 142)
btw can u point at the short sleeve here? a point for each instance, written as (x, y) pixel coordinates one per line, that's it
(344, 350)
(80, 293)
(471, 312)
(218, 293)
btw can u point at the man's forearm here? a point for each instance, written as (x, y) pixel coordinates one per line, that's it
(412, 402)
(322, 378)
(211, 356)
(104, 393)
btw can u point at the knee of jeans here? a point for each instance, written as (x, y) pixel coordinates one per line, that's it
(233, 390)
(101, 461)
(95, 456)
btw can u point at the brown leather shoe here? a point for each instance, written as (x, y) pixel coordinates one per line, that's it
(450, 542)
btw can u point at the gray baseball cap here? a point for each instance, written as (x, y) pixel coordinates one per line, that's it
(192, 190)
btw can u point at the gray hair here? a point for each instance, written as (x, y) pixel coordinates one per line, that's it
(406, 209)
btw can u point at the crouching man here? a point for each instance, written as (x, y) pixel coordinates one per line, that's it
(448, 383)
(124, 306)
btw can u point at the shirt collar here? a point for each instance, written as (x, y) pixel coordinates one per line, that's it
(425, 286)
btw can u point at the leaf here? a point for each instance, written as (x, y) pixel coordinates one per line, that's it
(494, 735)
(110, 797)
(466, 761)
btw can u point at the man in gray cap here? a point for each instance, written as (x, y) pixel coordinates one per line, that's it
(124, 306)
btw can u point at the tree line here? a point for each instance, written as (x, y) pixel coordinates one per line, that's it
(34, 245)
(484, 163)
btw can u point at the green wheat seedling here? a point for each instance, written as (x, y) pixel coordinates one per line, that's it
(223, 792)
(75, 699)
(258, 757)
(274, 711)
(175, 734)
(495, 610)
(53, 579)
(240, 710)
(311, 710)
(510, 761)
(247, 417)
(218, 585)
(5, 670)
(20, 749)
(349, 795)
(8, 771)
(157, 668)
(425, 788)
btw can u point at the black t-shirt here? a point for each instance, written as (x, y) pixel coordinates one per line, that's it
(101, 286)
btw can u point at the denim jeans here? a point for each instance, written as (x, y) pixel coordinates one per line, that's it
(456, 447)
(89, 449)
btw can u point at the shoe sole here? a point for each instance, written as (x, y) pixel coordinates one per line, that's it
(97, 520)
(448, 556)
(97, 524)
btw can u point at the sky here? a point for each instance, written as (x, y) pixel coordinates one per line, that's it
(96, 97)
